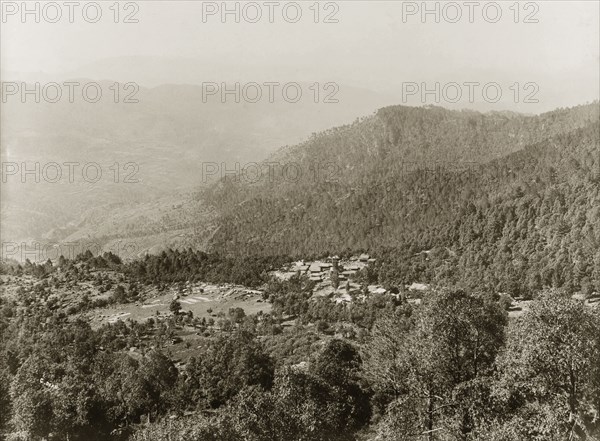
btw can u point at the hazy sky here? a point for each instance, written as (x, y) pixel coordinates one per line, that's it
(371, 46)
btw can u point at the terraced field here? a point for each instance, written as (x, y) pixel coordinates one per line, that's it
(203, 300)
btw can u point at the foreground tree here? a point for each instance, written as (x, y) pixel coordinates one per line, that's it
(551, 372)
(451, 345)
(229, 363)
(300, 406)
(54, 400)
(133, 390)
(338, 365)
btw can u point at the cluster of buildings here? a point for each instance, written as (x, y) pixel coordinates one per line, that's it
(321, 270)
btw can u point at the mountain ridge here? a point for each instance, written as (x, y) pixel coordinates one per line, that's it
(397, 215)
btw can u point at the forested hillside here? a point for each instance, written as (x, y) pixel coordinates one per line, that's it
(503, 201)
